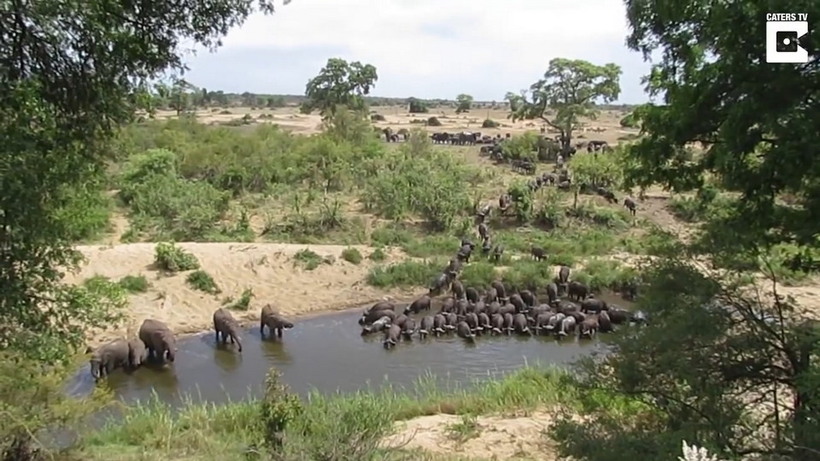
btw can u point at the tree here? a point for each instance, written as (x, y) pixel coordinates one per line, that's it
(464, 102)
(757, 122)
(570, 88)
(416, 106)
(339, 83)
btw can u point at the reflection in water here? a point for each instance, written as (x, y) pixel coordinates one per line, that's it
(329, 354)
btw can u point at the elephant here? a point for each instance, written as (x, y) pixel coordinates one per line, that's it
(471, 294)
(457, 288)
(500, 289)
(427, 325)
(377, 326)
(370, 317)
(491, 295)
(567, 326)
(539, 254)
(228, 327)
(518, 303)
(497, 322)
(527, 297)
(552, 293)
(483, 231)
(449, 305)
(137, 352)
(629, 204)
(423, 303)
(274, 321)
(392, 336)
(593, 305)
(463, 331)
(409, 328)
(521, 325)
(400, 320)
(484, 322)
(109, 357)
(577, 291)
(588, 327)
(158, 339)
(508, 323)
(604, 322)
(439, 324)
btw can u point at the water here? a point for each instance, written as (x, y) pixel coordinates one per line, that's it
(328, 353)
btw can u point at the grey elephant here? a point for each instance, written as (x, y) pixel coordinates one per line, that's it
(271, 318)
(136, 352)
(158, 339)
(109, 357)
(227, 326)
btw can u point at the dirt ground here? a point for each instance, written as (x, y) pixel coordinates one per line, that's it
(484, 438)
(266, 268)
(605, 128)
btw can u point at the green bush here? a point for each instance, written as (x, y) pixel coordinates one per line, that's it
(404, 274)
(521, 147)
(377, 255)
(309, 259)
(85, 211)
(433, 121)
(352, 255)
(170, 258)
(134, 283)
(489, 123)
(241, 304)
(202, 281)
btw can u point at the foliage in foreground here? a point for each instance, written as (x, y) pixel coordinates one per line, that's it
(747, 382)
(335, 427)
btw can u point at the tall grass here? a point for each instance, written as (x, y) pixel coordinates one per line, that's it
(153, 430)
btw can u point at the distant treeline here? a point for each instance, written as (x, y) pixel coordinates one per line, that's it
(204, 98)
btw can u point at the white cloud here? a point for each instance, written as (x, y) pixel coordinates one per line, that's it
(428, 48)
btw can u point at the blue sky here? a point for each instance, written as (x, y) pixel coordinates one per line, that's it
(422, 48)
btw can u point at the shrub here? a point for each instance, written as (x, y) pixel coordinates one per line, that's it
(377, 118)
(489, 123)
(279, 407)
(170, 258)
(309, 259)
(85, 211)
(377, 255)
(433, 121)
(241, 304)
(202, 281)
(404, 274)
(352, 255)
(523, 146)
(134, 283)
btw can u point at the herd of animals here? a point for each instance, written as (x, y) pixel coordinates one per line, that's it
(464, 311)
(157, 342)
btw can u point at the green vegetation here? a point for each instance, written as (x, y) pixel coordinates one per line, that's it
(202, 281)
(241, 304)
(171, 258)
(280, 425)
(134, 283)
(352, 256)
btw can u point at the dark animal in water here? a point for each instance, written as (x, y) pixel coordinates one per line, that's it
(439, 324)
(382, 306)
(568, 324)
(452, 320)
(472, 320)
(422, 304)
(400, 320)
(370, 317)
(554, 322)
(527, 297)
(516, 301)
(541, 321)
(577, 291)
(158, 339)
(618, 315)
(426, 326)
(552, 293)
(508, 323)
(484, 322)
(463, 331)
(506, 309)
(409, 328)
(228, 327)
(593, 305)
(448, 305)
(108, 358)
(521, 325)
(604, 322)
(377, 326)
(392, 336)
(588, 327)
(497, 322)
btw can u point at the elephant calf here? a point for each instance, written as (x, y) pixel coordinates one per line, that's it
(273, 320)
(158, 339)
(109, 357)
(228, 327)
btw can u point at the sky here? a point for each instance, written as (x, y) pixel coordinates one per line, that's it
(423, 48)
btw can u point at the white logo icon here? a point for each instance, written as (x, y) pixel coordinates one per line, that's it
(783, 42)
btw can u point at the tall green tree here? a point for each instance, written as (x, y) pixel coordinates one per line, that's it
(464, 102)
(757, 121)
(569, 90)
(68, 74)
(339, 83)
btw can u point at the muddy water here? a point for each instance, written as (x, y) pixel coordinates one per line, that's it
(328, 353)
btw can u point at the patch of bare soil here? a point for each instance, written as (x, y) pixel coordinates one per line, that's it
(485, 437)
(266, 268)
